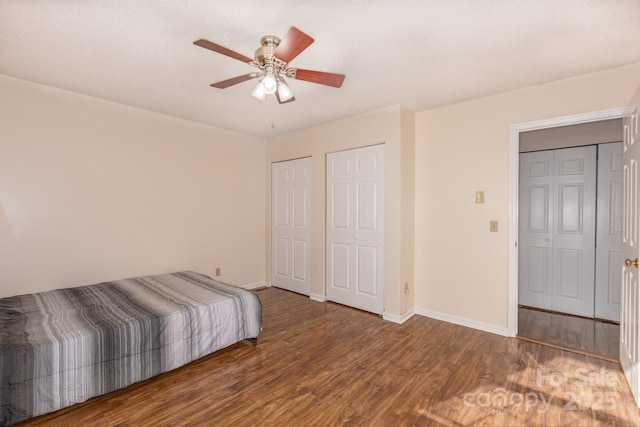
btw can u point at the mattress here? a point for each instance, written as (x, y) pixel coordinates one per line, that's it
(65, 346)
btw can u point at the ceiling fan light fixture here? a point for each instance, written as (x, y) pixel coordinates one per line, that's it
(272, 59)
(258, 92)
(284, 92)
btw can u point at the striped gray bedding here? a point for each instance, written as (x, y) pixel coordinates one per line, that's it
(65, 346)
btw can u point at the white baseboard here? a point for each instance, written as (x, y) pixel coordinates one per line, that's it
(256, 285)
(317, 297)
(398, 318)
(486, 327)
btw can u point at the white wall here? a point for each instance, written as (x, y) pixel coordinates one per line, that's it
(93, 191)
(461, 268)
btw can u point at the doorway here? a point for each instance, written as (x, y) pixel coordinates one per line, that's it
(569, 286)
(515, 132)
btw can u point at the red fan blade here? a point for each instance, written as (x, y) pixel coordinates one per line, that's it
(319, 77)
(293, 98)
(235, 80)
(292, 45)
(221, 49)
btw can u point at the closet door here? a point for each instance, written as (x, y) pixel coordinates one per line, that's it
(574, 237)
(557, 231)
(291, 225)
(535, 275)
(355, 228)
(609, 232)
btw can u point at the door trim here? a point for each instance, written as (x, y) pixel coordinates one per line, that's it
(514, 151)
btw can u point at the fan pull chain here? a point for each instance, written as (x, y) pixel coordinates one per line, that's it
(273, 125)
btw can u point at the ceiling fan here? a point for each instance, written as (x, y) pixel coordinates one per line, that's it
(272, 59)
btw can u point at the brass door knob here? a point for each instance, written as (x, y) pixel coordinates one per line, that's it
(629, 263)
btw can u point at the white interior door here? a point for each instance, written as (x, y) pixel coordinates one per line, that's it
(557, 231)
(291, 225)
(355, 228)
(535, 275)
(630, 298)
(609, 232)
(574, 237)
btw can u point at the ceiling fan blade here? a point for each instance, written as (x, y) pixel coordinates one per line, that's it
(235, 80)
(319, 77)
(293, 98)
(221, 49)
(293, 43)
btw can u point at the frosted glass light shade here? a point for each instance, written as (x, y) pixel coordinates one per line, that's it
(258, 92)
(284, 93)
(269, 83)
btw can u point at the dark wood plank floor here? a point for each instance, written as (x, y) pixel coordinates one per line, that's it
(589, 336)
(325, 364)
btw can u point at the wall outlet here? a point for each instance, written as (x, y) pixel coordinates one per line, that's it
(493, 226)
(406, 287)
(479, 196)
(217, 271)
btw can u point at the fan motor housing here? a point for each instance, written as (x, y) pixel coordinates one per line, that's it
(268, 46)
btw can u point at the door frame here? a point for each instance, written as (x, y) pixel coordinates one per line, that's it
(514, 165)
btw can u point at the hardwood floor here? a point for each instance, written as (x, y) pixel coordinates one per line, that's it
(325, 364)
(589, 336)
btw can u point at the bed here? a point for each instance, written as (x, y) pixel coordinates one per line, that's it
(65, 346)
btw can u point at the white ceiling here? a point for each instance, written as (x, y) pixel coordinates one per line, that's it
(419, 53)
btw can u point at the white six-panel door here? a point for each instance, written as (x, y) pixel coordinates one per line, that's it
(537, 192)
(291, 225)
(574, 234)
(557, 230)
(609, 232)
(355, 228)
(630, 298)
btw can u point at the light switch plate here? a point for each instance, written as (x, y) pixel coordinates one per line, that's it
(493, 226)
(479, 196)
